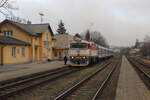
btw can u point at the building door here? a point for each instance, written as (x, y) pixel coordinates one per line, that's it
(36, 53)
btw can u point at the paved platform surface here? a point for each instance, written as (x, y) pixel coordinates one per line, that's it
(130, 86)
(14, 71)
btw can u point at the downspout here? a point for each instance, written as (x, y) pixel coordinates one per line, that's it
(33, 49)
(2, 55)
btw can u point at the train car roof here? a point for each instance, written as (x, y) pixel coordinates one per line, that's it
(105, 48)
(92, 43)
(102, 47)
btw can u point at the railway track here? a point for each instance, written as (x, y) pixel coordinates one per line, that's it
(138, 60)
(85, 85)
(108, 88)
(13, 86)
(141, 66)
(8, 88)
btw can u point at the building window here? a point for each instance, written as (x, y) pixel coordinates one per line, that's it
(8, 33)
(55, 53)
(22, 52)
(46, 52)
(46, 43)
(46, 37)
(13, 52)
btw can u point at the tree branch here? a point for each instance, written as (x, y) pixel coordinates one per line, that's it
(4, 3)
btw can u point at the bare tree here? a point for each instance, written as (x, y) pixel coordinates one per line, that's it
(136, 43)
(6, 8)
(99, 39)
(145, 50)
(147, 38)
(95, 36)
(3, 3)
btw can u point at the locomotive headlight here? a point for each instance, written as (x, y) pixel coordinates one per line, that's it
(84, 57)
(72, 57)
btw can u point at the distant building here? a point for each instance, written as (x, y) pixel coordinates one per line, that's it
(134, 51)
(20, 43)
(137, 49)
(140, 44)
(62, 45)
(115, 49)
(147, 39)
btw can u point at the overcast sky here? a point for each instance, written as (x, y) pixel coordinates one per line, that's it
(119, 21)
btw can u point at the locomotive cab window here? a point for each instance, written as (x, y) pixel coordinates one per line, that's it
(78, 45)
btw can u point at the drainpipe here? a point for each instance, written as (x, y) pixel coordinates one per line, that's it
(33, 49)
(2, 55)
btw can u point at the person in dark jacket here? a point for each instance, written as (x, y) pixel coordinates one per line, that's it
(65, 60)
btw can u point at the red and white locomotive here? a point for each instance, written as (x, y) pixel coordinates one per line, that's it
(83, 53)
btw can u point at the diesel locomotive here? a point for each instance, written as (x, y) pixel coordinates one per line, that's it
(83, 53)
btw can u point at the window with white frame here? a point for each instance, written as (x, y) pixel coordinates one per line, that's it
(8, 33)
(46, 52)
(13, 52)
(22, 52)
(46, 37)
(46, 42)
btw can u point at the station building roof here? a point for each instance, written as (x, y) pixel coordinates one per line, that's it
(31, 29)
(12, 41)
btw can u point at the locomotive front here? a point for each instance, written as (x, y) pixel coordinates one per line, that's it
(79, 54)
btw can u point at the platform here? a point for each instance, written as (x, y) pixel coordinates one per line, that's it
(14, 71)
(130, 86)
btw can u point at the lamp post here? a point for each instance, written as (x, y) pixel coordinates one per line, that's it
(41, 14)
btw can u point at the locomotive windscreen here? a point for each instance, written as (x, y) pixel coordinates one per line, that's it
(78, 45)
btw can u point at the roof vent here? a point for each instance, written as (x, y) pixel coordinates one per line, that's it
(28, 22)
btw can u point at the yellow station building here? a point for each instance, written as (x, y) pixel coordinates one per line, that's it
(20, 43)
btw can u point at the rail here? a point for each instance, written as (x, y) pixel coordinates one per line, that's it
(137, 65)
(16, 86)
(73, 88)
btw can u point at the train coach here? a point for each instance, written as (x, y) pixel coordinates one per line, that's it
(105, 53)
(83, 53)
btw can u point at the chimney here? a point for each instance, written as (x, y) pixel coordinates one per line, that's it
(28, 22)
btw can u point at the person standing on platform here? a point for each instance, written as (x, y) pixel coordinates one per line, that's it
(65, 60)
